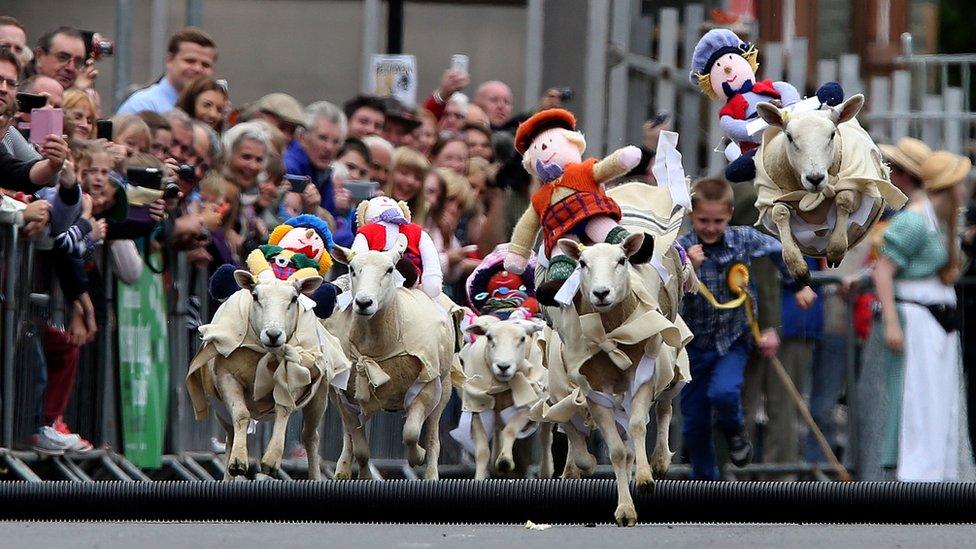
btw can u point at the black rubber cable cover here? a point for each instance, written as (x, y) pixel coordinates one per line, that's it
(493, 501)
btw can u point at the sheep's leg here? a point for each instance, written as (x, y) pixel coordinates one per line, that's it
(228, 443)
(412, 427)
(641, 405)
(354, 444)
(837, 246)
(545, 440)
(311, 419)
(661, 458)
(271, 460)
(480, 448)
(626, 514)
(433, 433)
(232, 394)
(791, 252)
(506, 438)
(582, 458)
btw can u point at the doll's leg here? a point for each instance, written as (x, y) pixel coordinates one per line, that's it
(560, 267)
(604, 229)
(222, 283)
(742, 169)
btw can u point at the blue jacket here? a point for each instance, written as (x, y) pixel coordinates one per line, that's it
(797, 323)
(298, 163)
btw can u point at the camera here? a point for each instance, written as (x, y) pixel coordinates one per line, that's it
(97, 46)
(565, 93)
(298, 182)
(187, 172)
(152, 178)
(103, 129)
(29, 101)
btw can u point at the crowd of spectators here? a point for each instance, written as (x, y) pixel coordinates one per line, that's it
(178, 166)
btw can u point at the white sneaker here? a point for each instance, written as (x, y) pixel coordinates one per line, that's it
(49, 441)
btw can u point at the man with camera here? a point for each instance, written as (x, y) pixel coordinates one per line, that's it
(192, 53)
(316, 148)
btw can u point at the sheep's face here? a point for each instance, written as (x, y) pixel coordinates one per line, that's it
(604, 270)
(506, 344)
(372, 276)
(811, 138)
(275, 308)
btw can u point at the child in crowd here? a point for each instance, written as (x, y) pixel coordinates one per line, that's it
(722, 341)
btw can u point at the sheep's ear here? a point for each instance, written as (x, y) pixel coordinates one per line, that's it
(477, 329)
(245, 279)
(632, 243)
(530, 326)
(848, 109)
(771, 114)
(342, 255)
(399, 247)
(571, 248)
(308, 285)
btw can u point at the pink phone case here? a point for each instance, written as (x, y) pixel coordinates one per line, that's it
(45, 122)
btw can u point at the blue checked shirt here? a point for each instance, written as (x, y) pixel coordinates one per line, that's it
(718, 329)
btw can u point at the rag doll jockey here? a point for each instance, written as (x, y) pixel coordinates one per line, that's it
(724, 68)
(571, 202)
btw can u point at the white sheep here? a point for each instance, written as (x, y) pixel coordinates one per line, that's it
(505, 378)
(616, 350)
(821, 182)
(264, 355)
(402, 346)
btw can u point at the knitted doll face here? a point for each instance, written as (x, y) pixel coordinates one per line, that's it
(378, 205)
(552, 148)
(304, 241)
(730, 69)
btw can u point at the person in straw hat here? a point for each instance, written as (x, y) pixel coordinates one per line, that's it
(905, 159)
(915, 345)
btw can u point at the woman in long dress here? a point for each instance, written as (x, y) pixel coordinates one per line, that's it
(916, 341)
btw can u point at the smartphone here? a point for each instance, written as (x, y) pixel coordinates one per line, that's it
(298, 183)
(45, 122)
(27, 102)
(361, 190)
(149, 178)
(459, 62)
(103, 129)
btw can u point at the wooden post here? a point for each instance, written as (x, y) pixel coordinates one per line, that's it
(878, 104)
(850, 76)
(826, 71)
(901, 86)
(771, 62)
(617, 95)
(596, 73)
(667, 54)
(691, 100)
(639, 84)
(952, 131)
(932, 127)
(797, 65)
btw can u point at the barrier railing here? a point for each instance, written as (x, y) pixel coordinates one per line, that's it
(28, 307)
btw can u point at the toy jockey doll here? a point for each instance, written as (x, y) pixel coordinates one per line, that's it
(724, 68)
(571, 202)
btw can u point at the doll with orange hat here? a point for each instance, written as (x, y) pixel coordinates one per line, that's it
(571, 202)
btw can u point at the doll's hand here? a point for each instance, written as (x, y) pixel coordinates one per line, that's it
(515, 263)
(629, 157)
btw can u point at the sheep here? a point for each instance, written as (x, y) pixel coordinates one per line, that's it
(821, 182)
(616, 350)
(265, 353)
(402, 345)
(505, 378)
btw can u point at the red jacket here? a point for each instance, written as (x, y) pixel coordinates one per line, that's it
(376, 240)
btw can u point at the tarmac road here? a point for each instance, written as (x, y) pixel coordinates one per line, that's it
(289, 535)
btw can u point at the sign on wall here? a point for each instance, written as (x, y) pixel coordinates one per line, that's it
(394, 75)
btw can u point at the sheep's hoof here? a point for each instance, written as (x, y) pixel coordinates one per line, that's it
(269, 470)
(416, 456)
(237, 468)
(343, 473)
(504, 464)
(585, 462)
(660, 465)
(626, 515)
(645, 481)
(263, 477)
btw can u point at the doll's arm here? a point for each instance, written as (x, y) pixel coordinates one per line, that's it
(359, 244)
(523, 235)
(433, 277)
(257, 264)
(787, 93)
(735, 129)
(617, 164)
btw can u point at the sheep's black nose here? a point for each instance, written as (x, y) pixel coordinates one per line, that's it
(601, 294)
(364, 303)
(815, 179)
(274, 334)
(503, 366)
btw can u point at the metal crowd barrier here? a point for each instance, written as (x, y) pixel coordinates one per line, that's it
(190, 449)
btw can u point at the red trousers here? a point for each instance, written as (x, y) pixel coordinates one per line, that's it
(62, 367)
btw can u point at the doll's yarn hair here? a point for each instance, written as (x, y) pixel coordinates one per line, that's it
(574, 137)
(751, 54)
